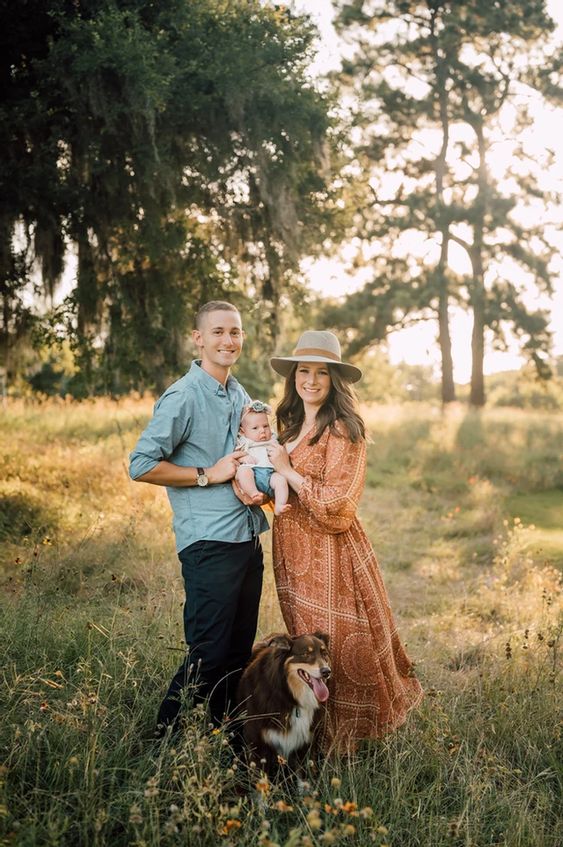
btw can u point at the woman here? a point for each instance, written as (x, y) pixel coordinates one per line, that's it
(327, 576)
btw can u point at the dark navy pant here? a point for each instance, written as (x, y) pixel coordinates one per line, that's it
(223, 583)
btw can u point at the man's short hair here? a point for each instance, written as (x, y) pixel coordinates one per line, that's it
(213, 306)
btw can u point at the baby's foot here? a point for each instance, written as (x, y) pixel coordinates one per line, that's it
(281, 510)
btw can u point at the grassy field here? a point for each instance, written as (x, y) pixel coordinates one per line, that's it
(466, 513)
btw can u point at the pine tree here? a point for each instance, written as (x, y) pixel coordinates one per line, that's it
(431, 79)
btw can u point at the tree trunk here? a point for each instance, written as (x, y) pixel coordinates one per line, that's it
(477, 394)
(478, 293)
(444, 339)
(478, 299)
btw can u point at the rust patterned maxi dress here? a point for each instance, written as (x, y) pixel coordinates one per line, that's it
(327, 578)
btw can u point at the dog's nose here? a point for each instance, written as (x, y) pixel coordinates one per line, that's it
(325, 672)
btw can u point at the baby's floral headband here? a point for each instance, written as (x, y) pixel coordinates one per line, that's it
(257, 406)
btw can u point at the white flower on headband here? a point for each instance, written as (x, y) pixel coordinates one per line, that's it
(257, 406)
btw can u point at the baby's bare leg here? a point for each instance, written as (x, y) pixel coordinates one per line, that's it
(245, 478)
(281, 489)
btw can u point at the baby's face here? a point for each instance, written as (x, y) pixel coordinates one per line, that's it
(255, 425)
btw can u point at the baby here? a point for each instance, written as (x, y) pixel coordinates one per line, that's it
(256, 473)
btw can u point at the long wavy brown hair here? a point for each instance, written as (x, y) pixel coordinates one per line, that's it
(340, 405)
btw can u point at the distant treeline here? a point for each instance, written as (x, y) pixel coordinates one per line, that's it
(382, 383)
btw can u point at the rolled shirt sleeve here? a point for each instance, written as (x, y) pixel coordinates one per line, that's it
(169, 427)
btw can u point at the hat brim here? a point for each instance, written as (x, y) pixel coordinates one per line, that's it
(283, 366)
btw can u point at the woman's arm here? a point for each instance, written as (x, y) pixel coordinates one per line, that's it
(333, 501)
(279, 457)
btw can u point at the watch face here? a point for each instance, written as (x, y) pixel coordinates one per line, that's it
(202, 480)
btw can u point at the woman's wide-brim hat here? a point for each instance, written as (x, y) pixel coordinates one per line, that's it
(317, 346)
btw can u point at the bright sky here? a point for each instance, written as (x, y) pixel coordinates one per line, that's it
(418, 344)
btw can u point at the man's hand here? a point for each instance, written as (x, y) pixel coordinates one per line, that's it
(246, 498)
(225, 468)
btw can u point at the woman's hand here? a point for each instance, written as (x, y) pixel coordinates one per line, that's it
(279, 457)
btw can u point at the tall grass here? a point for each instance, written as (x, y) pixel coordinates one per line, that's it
(90, 631)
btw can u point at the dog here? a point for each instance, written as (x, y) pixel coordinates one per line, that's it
(281, 691)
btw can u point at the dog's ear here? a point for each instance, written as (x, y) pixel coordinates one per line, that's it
(282, 641)
(257, 647)
(323, 636)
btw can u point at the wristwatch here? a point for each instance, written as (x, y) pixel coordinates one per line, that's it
(201, 478)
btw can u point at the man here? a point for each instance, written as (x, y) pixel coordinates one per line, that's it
(188, 446)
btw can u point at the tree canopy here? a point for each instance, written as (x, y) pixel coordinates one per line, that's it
(178, 148)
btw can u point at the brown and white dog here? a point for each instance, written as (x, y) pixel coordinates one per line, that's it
(281, 691)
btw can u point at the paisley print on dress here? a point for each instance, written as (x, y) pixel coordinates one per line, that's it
(327, 578)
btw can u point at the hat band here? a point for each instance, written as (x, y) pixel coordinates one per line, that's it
(314, 351)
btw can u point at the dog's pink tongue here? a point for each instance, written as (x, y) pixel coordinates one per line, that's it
(319, 689)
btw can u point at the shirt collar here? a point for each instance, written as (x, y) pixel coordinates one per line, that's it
(209, 382)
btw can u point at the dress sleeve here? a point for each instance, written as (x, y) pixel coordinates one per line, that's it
(333, 501)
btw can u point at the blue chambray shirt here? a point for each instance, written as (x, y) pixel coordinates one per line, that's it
(194, 424)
